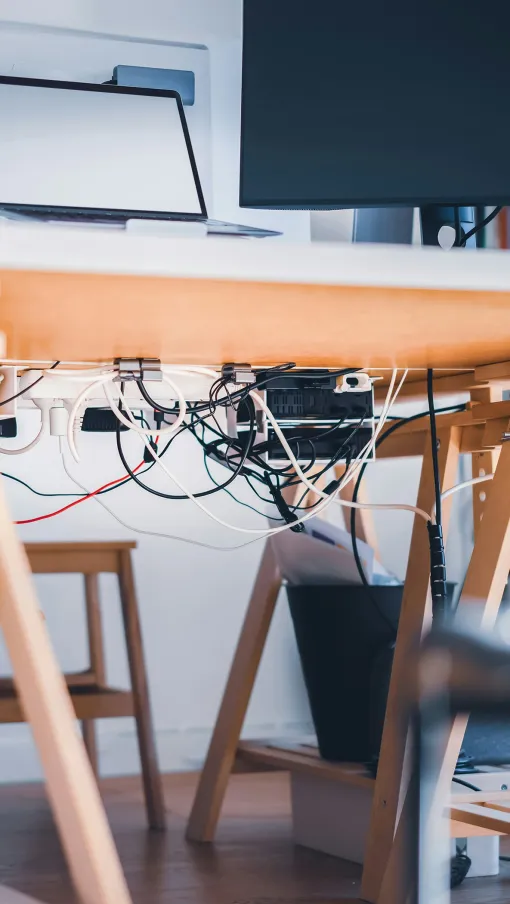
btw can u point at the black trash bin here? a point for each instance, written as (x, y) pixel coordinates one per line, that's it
(343, 640)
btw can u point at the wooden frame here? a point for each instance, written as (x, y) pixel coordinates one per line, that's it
(477, 431)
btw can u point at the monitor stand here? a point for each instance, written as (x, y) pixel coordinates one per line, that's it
(394, 225)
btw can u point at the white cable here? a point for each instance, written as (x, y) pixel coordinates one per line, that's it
(327, 499)
(132, 424)
(103, 380)
(321, 507)
(259, 402)
(77, 375)
(312, 487)
(463, 486)
(262, 533)
(140, 530)
(190, 368)
(45, 420)
(198, 503)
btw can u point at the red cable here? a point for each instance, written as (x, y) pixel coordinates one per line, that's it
(82, 498)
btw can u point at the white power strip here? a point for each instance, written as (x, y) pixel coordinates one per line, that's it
(194, 387)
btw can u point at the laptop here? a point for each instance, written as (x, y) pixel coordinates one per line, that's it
(104, 154)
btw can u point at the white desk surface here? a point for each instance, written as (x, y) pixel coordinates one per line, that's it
(78, 249)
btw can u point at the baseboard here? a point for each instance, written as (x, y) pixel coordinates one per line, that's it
(178, 751)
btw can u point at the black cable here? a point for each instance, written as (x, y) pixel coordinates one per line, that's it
(36, 492)
(30, 386)
(396, 426)
(239, 502)
(434, 446)
(241, 394)
(202, 493)
(460, 781)
(435, 530)
(458, 228)
(479, 226)
(74, 495)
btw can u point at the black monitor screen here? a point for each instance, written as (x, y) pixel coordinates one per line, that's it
(352, 103)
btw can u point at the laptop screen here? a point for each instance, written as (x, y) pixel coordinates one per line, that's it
(108, 150)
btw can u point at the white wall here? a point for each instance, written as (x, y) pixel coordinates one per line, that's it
(192, 600)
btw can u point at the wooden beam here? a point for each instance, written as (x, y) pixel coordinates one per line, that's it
(493, 372)
(450, 384)
(491, 411)
(482, 817)
(402, 445)
(485, 462)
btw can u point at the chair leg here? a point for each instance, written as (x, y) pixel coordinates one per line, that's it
(483, 589)
(73, 793)
(222, 749)
(154, 799)
(88, 730)
(97, 661)
(392, 772)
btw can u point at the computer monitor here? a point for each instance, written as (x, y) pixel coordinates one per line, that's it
(375, 104)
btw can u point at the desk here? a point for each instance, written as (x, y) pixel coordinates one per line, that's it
(84, 295)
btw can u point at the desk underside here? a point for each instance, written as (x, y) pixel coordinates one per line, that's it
(92, 317)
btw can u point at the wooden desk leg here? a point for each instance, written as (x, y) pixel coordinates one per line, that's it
(72, 790)
(222, 749)
(485, 462)
(483, 588)
(413, 617)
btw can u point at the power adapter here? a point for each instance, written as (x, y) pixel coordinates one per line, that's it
(8, 427)
(101, 420)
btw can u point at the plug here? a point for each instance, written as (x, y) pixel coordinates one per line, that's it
(59, 417)
(147, 457)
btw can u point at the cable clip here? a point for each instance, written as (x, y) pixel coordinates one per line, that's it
(146, 369)
(283, 509)
(240, 374)
(437, 568)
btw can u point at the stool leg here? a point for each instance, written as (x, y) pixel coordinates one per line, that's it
(88, 731)
(72, 791)
(154, 798)
(97, 661)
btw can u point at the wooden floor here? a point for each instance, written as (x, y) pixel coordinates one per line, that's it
(253, 860)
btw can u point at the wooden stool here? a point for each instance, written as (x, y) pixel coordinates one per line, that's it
(91, 697)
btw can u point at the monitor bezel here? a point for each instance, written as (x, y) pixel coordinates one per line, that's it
(345, 203)
(45, 210)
